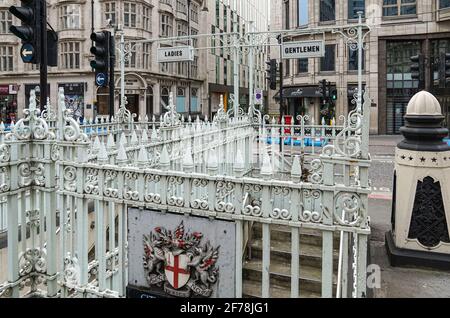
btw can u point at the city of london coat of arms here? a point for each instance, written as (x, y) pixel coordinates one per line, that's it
(178, 263)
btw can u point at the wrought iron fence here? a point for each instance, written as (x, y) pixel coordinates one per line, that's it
(74, 185)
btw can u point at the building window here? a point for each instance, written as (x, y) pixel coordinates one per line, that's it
(6, 58)
(182, 28)
(399, 7)
(218, 13)
(327, 10)
(166, 25)
(286, 15)
(194, 32)
(5, 21)
(168, 2)
(443, 4)
(194, 12)
(194, 100)
(194, 67)
(147, 56)
(287, 68)
(182, 68)
(69, 16)
(70, 55)
(164, 99)
(355, 6)
(353, 60)
(218, 70)
(213, 40)
(164, 67)
(110, 12)
(225, 19)
(438, 47)
(147, 18)
(400, 85)
(181, 100)
(303, 13)
(181, 6)
(129, 15)
(302, 66)
(327, 63)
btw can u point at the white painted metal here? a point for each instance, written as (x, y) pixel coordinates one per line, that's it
(80, 183)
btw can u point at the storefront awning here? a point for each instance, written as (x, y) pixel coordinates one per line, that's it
(298, 92)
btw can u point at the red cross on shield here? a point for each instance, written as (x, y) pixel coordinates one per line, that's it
(177, 272)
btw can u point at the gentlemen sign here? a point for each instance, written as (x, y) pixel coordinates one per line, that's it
(298, 50)
(176, 54)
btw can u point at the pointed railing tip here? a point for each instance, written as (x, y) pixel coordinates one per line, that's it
(212, 160)
(188, 162)
(296, 171)
(144, 136)
(134, 138)
(164, 160)
(102, 154)
(123, 139)
(122, 157)
(142, 156)
(110, 144)
(266, 169)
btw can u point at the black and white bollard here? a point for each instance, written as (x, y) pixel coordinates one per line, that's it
(421, 204)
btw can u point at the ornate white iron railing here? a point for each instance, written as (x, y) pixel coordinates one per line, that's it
(74, 189)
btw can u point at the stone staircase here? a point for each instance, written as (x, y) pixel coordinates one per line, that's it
(310, 271)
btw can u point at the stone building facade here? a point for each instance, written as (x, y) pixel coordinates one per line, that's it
(195, 85)
(400, 29)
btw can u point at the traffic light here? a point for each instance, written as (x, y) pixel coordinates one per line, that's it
(30, 14)
(444, 70)
(325, 90)
(418, 69)
(101, 51)
(272, 72)
(334, 95)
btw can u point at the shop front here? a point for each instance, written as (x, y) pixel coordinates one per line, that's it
(8, 103)
(37, 89)
(302, 100)
(74, 97)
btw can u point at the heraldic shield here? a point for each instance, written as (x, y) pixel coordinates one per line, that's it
(178, 263)
(177, 270)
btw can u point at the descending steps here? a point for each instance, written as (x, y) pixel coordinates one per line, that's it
(310, 259)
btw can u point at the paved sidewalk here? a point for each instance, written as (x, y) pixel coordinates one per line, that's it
(400, 282)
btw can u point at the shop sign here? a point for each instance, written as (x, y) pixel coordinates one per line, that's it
(4, 89)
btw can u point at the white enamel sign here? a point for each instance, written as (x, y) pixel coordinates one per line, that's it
(176, 54)
(304, 49)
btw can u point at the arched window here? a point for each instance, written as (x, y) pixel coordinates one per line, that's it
(181, 100)
(164, 99)
(194, 101)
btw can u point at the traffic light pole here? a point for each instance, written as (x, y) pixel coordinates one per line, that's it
(112, 84)
(281, 103)
(44, 57)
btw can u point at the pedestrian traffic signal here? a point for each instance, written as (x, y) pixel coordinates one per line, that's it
(334, 95)
(29, 13)
(101, 51)
(272, 73)
(324, 89)
(418, 69)
(444, 70)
